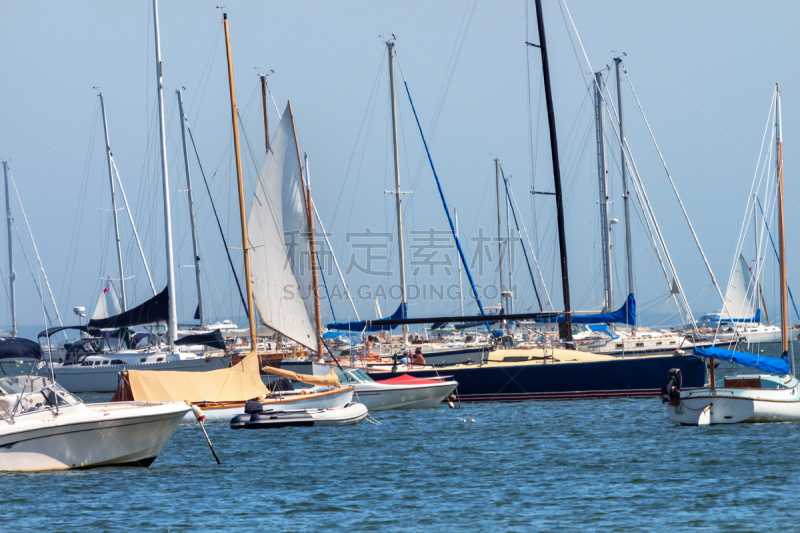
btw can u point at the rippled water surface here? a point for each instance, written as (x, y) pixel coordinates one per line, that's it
(617, 465)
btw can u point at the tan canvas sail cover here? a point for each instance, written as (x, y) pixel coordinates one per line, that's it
(238, 383)
(328, 380)
(279, 237)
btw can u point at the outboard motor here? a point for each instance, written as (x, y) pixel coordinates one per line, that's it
(672, 392)
(253, 407)
(281, 385)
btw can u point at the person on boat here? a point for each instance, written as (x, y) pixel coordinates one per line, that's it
(418, 359)
(405, 359)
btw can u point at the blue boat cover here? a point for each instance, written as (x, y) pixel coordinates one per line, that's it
(358, 326)
(624, 315)
(12, 348)
(345, 338)
(756, 318)
(768, 364)
(603, 328)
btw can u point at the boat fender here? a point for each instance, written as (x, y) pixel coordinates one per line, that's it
(208, 359)
(198, 414)
(679, 352)
(672, 392)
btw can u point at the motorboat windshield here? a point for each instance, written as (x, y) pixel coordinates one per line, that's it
(23, 394)
(354, 376)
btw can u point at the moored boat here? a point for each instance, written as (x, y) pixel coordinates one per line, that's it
(44, 427)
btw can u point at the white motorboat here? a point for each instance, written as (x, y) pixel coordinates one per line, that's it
(255, 418)
(746, 398)
(402, 392)
(44, 427)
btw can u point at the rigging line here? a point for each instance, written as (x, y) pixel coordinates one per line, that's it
(221, 233)
(355, 147)
(78, 221)
(516, 223)
(325, 284)
(441, 193)
(30, 267)
(777, 255)
(36, 251)
(335, 262)
(527, 237)
(447, 82)
(675, 189)
(133, 225)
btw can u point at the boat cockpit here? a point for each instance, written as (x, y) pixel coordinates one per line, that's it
(25, 394)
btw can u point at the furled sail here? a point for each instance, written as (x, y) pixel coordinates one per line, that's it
(740, 295)
(762, 362)
(107, 304)
(153, 311)
(279, 237)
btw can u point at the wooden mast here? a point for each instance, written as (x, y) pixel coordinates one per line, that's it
(264, 105)
(781, 228)
(312, 243)
(242, 209)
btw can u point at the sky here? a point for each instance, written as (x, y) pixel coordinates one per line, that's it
(704, 74)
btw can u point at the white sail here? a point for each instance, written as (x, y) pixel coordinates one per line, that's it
(739, 298)
(279, 237)
(107, 304)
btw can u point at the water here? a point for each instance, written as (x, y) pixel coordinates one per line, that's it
(617, 465)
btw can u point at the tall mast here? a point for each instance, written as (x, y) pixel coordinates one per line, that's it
(172, 327)
(499, 231)
(251, 314)
(264, 105)
(460, 292)
(602, 175)
(510, 250)
(565, 328)
(625, 192)
(195, 247)
(12, 276)
(781, 227)
(397, 191)
(114, 208)
(312, 243)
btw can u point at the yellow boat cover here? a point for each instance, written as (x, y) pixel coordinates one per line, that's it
(328, 380)
(237, 383)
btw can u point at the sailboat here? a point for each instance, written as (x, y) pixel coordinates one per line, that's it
(88, 365)
(773, 397)
(223, 394)
(548, 372)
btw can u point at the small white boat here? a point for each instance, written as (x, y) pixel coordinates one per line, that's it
(742, 398)
(255, 418)
(316, 398)
(402, 392)
(44, 427)
(746, 398)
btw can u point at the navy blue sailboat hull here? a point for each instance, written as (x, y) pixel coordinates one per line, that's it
(619, 378)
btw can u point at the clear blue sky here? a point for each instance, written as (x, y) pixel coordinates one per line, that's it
(703, 71)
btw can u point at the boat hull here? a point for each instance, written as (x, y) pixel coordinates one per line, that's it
(725, 405)
(379, 397)
(614, 378)
(323, 400)
(65, 441)
(106, 378)
(347, 415)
